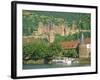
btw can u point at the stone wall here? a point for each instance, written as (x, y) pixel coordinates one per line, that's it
(84, 52)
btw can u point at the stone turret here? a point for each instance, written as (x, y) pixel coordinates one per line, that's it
(51, 36)
(74, 26)
(51, 32)
(83, 50)
(40, 28)
(62, 30)
(82, 39)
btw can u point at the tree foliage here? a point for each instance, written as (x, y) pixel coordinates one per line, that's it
(41, 50)
(32, 18)
(75, 36)
(70, 53)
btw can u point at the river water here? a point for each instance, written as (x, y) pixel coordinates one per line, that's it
(60, 65)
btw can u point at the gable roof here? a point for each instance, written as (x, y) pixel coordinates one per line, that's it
(70, 44)
(74, 44)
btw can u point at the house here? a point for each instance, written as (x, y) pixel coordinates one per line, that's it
(82, 47)
(71, 48)
(70, 44)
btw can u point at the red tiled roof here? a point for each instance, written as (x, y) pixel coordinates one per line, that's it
(74, 44)
(70, 44)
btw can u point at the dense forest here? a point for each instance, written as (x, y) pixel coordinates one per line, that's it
(32, 18)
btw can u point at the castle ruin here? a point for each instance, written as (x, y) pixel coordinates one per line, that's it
(51, 29)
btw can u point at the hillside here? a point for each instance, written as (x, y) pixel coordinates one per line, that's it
(32, 18)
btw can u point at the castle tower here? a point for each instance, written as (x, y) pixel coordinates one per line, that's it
(66, 29)
(51, 36)
(82, 39)
(62, 30)
(40, 28)
(74, 26)
(83, 50)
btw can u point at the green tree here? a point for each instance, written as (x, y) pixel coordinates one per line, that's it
(28, 50)
(54, 51)
(40, 50)
(70, 53)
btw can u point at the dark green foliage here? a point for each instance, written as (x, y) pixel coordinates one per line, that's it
(75, 36)
(41, 50)
(70, 53)
(32, 18)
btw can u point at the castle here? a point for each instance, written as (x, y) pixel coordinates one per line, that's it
(83, 46)
(49, 30)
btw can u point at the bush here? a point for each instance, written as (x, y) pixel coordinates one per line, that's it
(41, 50)
(70, 53)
